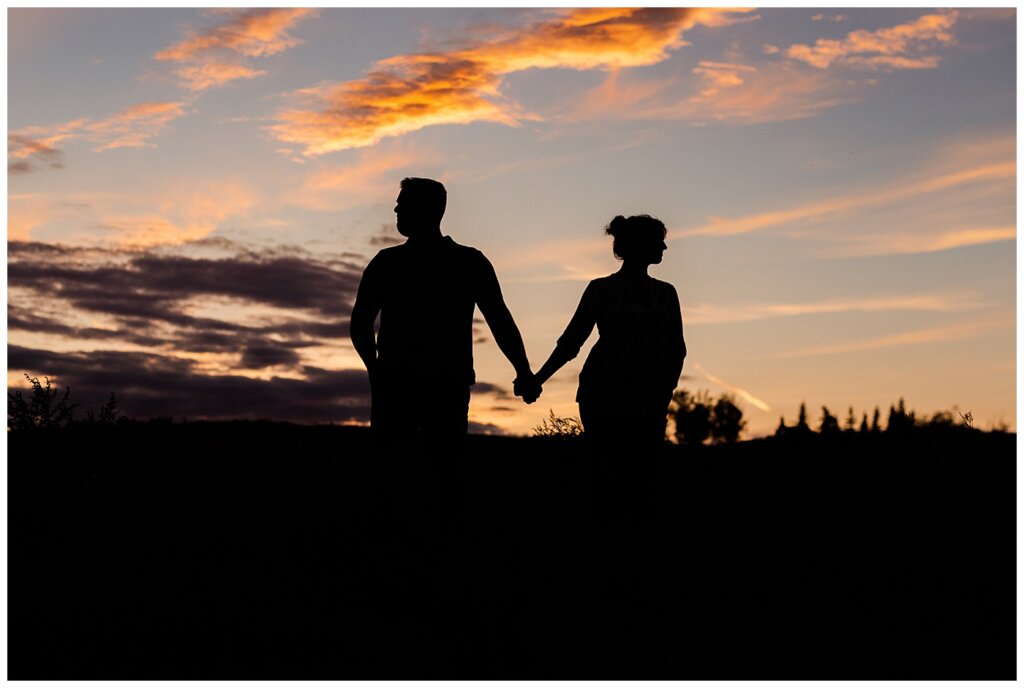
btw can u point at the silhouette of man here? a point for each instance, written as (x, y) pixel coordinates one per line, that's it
(425, 291)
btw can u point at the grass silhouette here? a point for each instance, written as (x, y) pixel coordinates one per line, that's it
(252, 550)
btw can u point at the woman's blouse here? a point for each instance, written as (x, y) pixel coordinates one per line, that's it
(637, 360)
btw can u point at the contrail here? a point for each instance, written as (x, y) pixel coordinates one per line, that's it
(738, 390)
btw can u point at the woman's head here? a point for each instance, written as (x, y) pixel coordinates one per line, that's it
(640, 238)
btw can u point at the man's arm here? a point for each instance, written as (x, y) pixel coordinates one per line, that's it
(364, 313)
(499, 319)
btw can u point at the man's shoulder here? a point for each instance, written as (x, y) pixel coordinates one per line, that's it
(388, 258)
(465, 253)
(391, 252)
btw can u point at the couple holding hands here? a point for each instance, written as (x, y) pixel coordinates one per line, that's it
(421, 362)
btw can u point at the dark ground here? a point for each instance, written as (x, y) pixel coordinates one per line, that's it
(271, 551)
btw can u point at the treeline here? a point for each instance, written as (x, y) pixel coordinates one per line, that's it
(697, 417)
(700, 419)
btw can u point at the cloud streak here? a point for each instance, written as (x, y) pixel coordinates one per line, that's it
(832, 207)
(742, 393)
(216, 56)
(710, 314)
(926, 336)
(895, 47)
(409, 92)
(133, 127)
(890, 244)
(720, 92)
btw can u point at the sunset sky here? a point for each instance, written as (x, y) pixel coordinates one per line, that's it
(193, 194)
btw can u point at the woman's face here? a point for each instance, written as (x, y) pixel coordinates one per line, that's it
(653, 250)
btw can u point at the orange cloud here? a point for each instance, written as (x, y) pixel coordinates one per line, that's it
(213, 57)
(200, 77)
(409, 92)
(150, 230)
(164, 214)
(253, 33)
(133, 127)
(719, 75)
(889, 47)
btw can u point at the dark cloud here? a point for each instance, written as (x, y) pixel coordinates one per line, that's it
(24, 319)
(485, 429)
(498, 391)
(268, 355)
(282, 281)
(35, 150)
(150, 385)
(479, 337)
(387, 236)
(148, 295)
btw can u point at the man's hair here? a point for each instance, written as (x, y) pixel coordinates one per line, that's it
(427, 194)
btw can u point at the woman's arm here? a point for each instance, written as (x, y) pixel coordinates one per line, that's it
(677, 344)
(571, 341)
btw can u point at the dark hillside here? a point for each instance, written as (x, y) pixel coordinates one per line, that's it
(273, 551)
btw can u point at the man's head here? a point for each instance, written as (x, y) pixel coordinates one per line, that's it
(420, 205)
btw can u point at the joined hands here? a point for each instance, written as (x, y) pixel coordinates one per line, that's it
(527, 387)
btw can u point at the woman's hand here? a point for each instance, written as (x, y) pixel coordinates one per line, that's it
(527, 387)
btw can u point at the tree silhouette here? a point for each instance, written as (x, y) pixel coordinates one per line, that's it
(42, 410)
(109, 414)
(692, 414)
(851, 421)
(829, 423)
(801, 422)
(864, 423)
(899, 420)
(874, 421)
(726, 420)
(942, 420)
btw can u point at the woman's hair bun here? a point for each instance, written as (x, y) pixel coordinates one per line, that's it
(616, 226)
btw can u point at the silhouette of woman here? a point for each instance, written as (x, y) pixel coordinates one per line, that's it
(627, 381)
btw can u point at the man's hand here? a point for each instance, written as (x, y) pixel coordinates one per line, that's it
(527, 387)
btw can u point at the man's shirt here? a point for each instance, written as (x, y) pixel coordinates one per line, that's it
(427, 293)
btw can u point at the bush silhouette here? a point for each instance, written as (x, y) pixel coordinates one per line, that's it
(692, 414)
(557, 426)
(726, 420)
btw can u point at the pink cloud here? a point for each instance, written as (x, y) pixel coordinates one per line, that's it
(892, 47)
